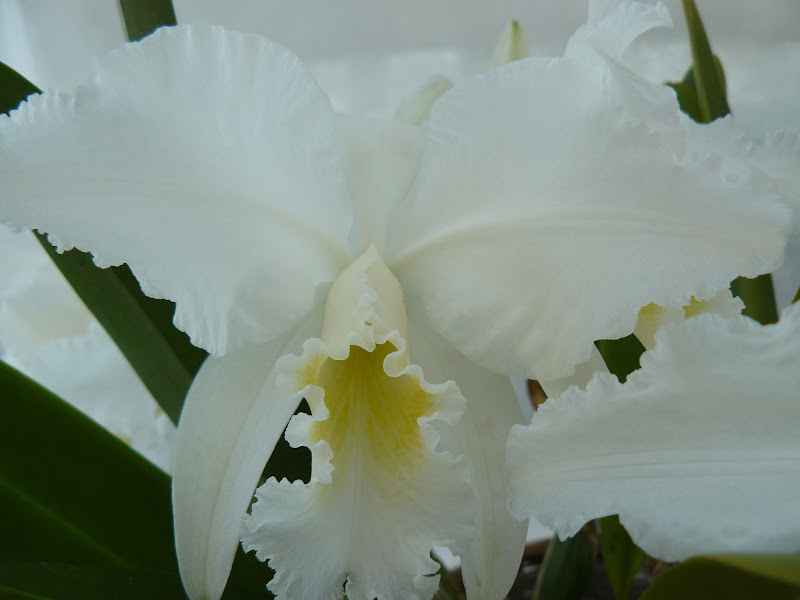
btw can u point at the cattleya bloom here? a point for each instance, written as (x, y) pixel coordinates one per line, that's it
(697, 451)
(384, 272)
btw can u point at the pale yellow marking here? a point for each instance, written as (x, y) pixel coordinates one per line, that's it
(373, 417)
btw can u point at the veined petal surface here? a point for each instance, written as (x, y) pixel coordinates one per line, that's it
(380, 494)
(490, 564)
(697, 452)
(540, 160)
(233, 416)
(199, 157)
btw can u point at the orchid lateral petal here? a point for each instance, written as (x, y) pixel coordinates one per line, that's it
(491, 563)
(569, 169)
(197, 156)
(697, 452)
(231, 421)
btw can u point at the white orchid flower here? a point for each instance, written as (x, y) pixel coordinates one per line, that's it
(47, 333)
(383, 272)
(697, 451)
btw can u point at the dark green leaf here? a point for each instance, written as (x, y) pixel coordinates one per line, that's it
(687, 99)
(566, 569)
(730, 577)
(621, 356)
(54, 581)
(143, 17)
(142, 327)
(707, 71)
(758, 296)
(72, 492)
(621, 556)
(14, 88)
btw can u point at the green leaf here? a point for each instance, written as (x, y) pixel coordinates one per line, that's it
(143, 17)
(162, 356)
(758, 296)
(14, 88)
(566, 569)
(54, 581)
(141, 327)
(72, 492)
(730, 577)
(621, 356)
(687, 99)
(707, 70)
(621, 556)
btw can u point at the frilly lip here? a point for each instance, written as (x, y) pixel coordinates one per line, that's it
(367, 473)
(365, 309)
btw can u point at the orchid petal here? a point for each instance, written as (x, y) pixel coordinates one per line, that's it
(581, 377)
(380, 495)
(490, 564)
(90, 372)
(777, 153)
(231, 421)
(653, 317)
(381, 159)
(197, 156)
(613, 25)
(697, 452)
(541, 161)
(416, 109)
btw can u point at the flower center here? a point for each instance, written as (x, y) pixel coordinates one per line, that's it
(371, 414)
(380, 494)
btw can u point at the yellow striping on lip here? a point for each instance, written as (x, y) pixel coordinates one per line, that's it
(373, 417)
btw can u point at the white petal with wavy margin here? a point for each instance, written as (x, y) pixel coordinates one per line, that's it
(380, 495)
(697, 452)
(233, 416)
(541, 161)
(613, 25)
(197, 156)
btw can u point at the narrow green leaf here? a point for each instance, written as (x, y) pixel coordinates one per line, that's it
(14, 88)
(687, 99)
(142, 327)
(621, 556)
(710, 85)
(143, 17)
(621, 356)
(72, 492)
(566, 569)
(8, 593)
(758, 296)
(55, 581)
(729, 577)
